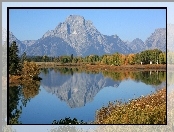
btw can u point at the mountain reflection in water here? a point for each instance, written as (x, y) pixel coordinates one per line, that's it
(76, 89)
(79, 88)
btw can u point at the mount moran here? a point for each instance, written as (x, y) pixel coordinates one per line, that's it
(79, 37)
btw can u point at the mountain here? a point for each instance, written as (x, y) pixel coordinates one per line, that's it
(77, 89)
(157, 40)
(50, 46)
(28, 42)
(22, 47)
(79, 37)
(136, 45)
(83, 37)
(116, 45)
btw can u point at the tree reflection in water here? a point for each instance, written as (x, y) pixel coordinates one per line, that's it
(23, 92)
(14, 97)
(155, 77)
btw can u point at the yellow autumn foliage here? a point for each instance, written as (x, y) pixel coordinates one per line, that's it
(150, 109)
(30, 70)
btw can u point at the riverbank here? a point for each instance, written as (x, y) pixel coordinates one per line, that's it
(93, 67)
(127, 67)
(97, 67)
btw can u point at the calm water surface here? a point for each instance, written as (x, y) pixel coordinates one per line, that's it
(74, 94)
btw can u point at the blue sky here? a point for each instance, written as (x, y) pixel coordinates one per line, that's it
(128, 24)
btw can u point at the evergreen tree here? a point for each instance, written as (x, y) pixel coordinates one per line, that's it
(23, 57)
(71, 57)
(14, 65)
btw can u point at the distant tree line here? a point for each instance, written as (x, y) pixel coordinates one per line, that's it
(154, 56)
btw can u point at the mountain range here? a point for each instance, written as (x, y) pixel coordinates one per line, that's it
(79, 37)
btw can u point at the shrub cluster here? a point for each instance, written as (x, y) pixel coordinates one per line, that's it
(69, 121)
(30, 70)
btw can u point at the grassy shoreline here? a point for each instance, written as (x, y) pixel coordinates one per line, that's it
(150, 109)
(161, 67)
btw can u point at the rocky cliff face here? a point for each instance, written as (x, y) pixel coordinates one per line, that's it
(79, 37)
(77, 89)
